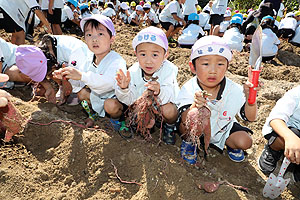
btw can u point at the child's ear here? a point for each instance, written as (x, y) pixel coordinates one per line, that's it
(112, 39)
(192, 67)
(166, 55)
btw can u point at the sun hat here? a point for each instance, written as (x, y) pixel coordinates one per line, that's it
(83, 6)
(127, 3)
(227, 13)
(162, 3)
(153, 35)
(139, 8)
(124, 6)
(132, 3)
(198, 8)
(267, 17)
(297, 13)
(193, 16)
(105, 21)
(74, 2)
(211, 45)
(236, 20)
(32, 62)
(290, 14)
(142, 3)
(245, 16)
(146, 6)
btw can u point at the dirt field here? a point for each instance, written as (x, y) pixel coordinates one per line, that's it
(63, 161)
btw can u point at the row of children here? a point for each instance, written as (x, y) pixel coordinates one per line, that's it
(109, 88)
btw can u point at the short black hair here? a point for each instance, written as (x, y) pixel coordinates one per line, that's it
(94, 23)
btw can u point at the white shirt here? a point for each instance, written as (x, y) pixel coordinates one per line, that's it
(109, 12)
(219, 7)
(296, 38)
(66, 13)
(223, 111)
(58, 4)
(166, 14)
(223, 26)
(133, 16)
(190, 34)
(72, 50)
(203, 19)
(287, 109)
(152, 16)
(190, 7)
(288, 23)
(101, 79)
(234, 39)
(7, 53)
(18, 9)
(270, 43)
(44, 4)
(167, 78)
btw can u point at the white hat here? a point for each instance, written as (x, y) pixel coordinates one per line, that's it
(124, 6)
(139, 8)
(147, 5)
(211, 45)
(153, 35)
(227, 13)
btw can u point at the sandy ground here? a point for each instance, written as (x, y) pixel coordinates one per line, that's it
(63, 161)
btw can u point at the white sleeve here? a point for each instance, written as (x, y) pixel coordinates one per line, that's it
(1, 55)
(32, 3)
(70, 14)
(285, 106)
(167, 88)
(173, 8)
(126, 96)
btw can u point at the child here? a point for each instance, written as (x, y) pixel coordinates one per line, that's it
(68, 16)
(217, 12)
(287, 27)
(135, 18)
(220, 29)
(84, 11)
(270, 41)
(132, 7)
(94, 7)
(189, 7)
(209, 61)
(69, 50)
(204, 18)
(54, 15)
(233, 36)
(151, 48)
(282, 132)
(24, 64)
(160, 8)
(109, 11)
(191, 33)
(171, 18)
(102, 65)
(150, 17)
(124, 14)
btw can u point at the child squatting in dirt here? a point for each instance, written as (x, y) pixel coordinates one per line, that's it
(151, 48)
(282, 130)
(103, 64)
(209, 62)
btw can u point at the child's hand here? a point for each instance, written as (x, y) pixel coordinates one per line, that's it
(199, 100)
(292, 148)
(50, 95)
(71, 73)
(4, 97)
(3, 77)
(57, 74)
(154, 86)
(122, 79)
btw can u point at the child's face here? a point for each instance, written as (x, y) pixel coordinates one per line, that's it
(150, 57)
(210, 70)
(132, 7)
(98, 39)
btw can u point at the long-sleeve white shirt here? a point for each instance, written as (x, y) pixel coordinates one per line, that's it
(167, 78)
(287, 109)
(234, 39)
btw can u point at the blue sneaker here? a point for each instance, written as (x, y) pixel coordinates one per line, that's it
(236, 155)
(121, 128)
(188, 152)
(116, 124)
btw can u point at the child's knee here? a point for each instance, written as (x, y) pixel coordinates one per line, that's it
(83, 94)
(245, 142)
(169, 111)
(112, 106)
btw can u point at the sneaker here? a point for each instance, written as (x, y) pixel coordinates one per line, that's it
(169, 136)
(171, 40)
(188, 152)
(296, 173)
(268, 160)
(7, 85)
(121, 128)
(116, 124)
(236, 155)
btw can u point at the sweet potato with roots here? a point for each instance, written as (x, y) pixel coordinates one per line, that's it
(198, 123)
(143, 112)
(11, 119)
